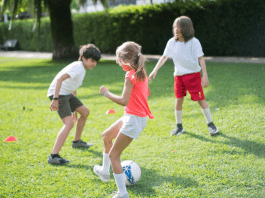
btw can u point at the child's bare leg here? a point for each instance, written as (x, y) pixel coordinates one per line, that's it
(109, 134)
(63, 133)
(203, 104)
(120, 143)
(81, 121)
(178, 105)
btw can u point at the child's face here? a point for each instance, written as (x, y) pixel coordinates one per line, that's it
(89, 63)
(126, 66)
(177, 33)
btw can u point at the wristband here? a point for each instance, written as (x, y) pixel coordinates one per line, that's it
(55, 98)
(106, 93)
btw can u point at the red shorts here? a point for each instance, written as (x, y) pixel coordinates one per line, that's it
(190, 83)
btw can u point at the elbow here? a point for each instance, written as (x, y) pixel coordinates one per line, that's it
(59, 80)
(125, 103)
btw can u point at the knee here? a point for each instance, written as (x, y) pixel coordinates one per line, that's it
(105, 137)
(85, 112)
(112, 156)
(69, 124)
(179, 100)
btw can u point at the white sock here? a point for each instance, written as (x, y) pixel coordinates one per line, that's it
(178, 116)
(120, 181)
(207, 115)
(106, 163)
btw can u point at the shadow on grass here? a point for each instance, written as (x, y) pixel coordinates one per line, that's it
(44, 72)
(151, 179)
(221, 76)
(249, 147)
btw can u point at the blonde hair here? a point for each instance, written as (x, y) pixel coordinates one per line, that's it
(186, 27)
(89, 51)
(130, 53)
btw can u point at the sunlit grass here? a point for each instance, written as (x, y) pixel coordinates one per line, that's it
(193, 164)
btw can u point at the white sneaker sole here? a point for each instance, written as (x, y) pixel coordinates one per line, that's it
(98, 174)
(215, 132)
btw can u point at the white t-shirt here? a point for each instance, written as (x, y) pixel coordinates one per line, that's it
(185, 55)
(76, 71)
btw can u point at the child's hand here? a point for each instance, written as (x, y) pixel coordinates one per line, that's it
(54, 105)
(103, 90)
(153, 74)
(205, 82)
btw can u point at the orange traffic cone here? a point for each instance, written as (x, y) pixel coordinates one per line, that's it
(10, 139)
(111, 111)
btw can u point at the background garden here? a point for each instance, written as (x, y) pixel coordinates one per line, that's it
(224, 27)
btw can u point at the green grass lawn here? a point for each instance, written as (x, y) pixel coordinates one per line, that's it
(193, 164)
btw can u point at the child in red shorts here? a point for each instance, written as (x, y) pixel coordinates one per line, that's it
(186, 52)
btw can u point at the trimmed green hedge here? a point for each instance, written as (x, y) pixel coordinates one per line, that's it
(28, 39)
(224, 27)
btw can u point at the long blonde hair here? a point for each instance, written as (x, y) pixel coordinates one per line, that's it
(130, 53)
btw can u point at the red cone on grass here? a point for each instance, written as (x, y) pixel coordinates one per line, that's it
(111, 111)
(10, 139)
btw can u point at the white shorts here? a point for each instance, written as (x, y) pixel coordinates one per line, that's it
(133, 125)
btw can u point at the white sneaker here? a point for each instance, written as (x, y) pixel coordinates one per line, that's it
(105, 177)
(213, 130)
(118, 195)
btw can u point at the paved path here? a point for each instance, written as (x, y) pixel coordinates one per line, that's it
(47, 55)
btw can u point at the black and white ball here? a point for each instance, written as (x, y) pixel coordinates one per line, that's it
(132, 172)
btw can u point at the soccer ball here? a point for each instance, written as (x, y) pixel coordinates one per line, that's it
(131, 171)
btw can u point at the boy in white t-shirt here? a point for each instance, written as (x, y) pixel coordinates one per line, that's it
(62, 93)
(186, 52)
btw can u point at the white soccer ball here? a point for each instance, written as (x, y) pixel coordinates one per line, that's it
(132, 172)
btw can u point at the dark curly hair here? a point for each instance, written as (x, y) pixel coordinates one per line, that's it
(89, 51)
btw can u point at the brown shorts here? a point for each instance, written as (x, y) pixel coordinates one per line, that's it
(67, 105)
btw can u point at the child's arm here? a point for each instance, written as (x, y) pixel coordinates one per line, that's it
(55, 103)
(159, 64)
(121, 100)
(205, 81)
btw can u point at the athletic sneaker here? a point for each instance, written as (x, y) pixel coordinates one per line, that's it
(213, 130)
(118, 195)
(105, 177)
(178, 130)
(81, 144)
(57, 160)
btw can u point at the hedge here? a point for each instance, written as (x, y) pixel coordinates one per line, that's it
(224, 27)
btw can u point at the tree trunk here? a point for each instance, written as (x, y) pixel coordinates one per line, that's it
(62, 30)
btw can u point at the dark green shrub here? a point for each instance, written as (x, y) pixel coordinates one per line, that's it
(224, 27)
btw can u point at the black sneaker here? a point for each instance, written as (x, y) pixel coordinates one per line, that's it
(81, 144)
(213, 130)
(178, 130)
(57, 160)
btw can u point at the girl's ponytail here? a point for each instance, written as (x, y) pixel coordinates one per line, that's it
(140, 73)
